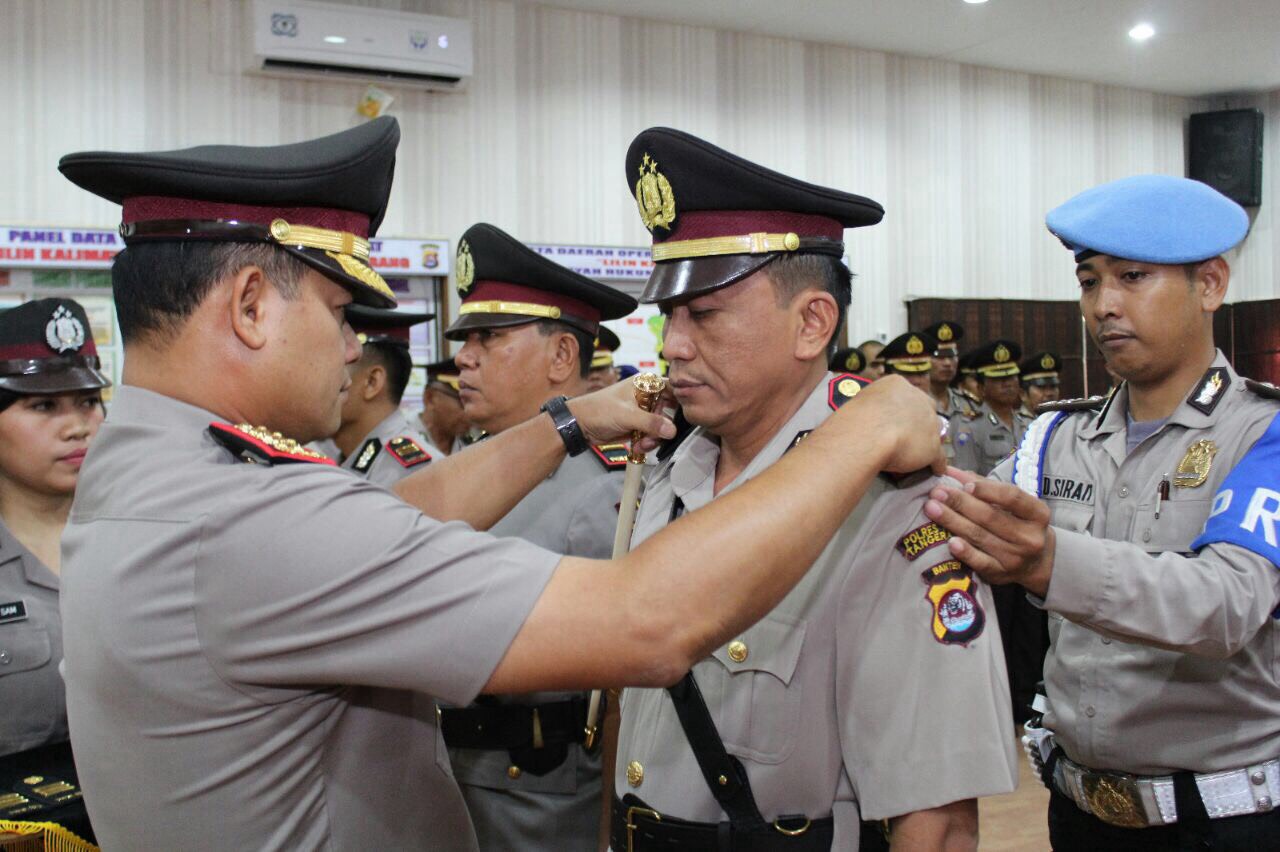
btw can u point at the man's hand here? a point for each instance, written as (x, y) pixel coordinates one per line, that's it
(891, 418)
(998, 530)
(611, 414)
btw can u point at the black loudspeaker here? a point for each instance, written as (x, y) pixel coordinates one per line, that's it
(1225, 151)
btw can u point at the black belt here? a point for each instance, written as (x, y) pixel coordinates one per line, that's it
(536, 736)
(638, 828)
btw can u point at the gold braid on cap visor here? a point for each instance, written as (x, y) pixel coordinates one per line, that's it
(709, 246)
(998, 371)
(496, 306)
(350, 252)
(910, 365)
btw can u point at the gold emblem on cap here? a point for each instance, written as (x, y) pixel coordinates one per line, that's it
(1002, 354)
(848, 388)
(1047, 362)
(1193, 470)
(466, 271)
(945, 333)
(914, 345)
(654, 197)
(853, 362)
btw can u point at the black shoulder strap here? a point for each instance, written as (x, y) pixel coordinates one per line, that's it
(725, 775)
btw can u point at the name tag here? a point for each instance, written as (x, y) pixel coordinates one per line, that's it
(13, 611)
(1067, 489)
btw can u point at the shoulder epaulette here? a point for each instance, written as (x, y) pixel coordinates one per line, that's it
(260, 445)
(969, 396)
(408, 451)
(844, 387)
(366, 454)
(1092, 403)
(1263, 389)
(612, 456)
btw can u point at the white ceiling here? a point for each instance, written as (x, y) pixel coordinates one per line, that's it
(1201, 47)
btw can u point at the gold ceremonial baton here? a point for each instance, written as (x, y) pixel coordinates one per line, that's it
(648, 389)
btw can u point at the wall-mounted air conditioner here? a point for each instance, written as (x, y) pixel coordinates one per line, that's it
(303, 38)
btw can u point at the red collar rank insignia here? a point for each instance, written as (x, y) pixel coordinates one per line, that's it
(408, 451)
(958, 618)
(843, 388)
(612, 456)
(259, 445)
(1209, 392)
(366, 454)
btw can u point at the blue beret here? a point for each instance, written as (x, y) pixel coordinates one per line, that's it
(1150, 218)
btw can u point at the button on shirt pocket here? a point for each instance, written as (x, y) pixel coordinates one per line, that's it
(752, 678)
(30, 688)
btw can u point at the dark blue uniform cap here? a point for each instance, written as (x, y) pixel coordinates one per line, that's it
(1150, 218)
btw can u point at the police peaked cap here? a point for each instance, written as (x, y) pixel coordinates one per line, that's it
(946, 333)
(1040, 368)
(444, 371)
(716, 218)
(46, 347)
(606, 340)
(319, 200)
(503, 282)
(379, 325)
(909, 352)
(850, 360)
(996, 359)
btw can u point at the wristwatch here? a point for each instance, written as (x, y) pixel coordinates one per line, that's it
(575, 443)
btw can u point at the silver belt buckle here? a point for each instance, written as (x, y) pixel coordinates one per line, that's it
(1114, 798)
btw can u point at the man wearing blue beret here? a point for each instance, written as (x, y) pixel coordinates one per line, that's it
(1147, 526)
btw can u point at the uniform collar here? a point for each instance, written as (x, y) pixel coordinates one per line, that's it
(135, 406)
(1196, 411)
(36, 572)
(392, 425)
(693, 466)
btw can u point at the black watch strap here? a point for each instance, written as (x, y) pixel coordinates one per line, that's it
(575, 443)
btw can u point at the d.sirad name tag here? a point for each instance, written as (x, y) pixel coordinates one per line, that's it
(13, 611)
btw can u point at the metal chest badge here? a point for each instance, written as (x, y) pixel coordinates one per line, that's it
(64, 333)
(958, 618)
(654, 197)
(1193, 470)
(466, 268)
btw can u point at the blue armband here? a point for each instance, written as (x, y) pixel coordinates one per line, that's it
(1246, 509)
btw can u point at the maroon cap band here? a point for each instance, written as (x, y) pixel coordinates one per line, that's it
(505, 291)
(146, 208)
(700, 224)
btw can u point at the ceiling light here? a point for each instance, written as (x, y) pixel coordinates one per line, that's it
(335, 39)
(1142, 32)
(975, 2)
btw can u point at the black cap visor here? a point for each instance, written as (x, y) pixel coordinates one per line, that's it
(694, 276)
(52, 375)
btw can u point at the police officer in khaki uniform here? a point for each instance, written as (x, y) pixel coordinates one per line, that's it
(377, 440)
(50, 409)
(604, 371)
(951, 401)
(908, 355)
(1160, 567)
(442, 418)
(790, 733)
(533, 785)
(1038, 375)
(255, 640)
(968, 383)
(999, 424)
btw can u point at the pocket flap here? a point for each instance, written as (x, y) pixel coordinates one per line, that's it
(772, 645)
(23, 647)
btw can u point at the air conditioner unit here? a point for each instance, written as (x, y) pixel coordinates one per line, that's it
(302, 38)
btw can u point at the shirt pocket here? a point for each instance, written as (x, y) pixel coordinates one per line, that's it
(23, 648)
(30, 688)
(758, 712)
(1070, 515)
(1179, 523)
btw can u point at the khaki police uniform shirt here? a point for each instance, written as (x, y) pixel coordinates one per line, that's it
(575, 512)
(377, 461)
(33, 707)
(253, 653)
(1163, 656)
(985, 441)
(852, 695)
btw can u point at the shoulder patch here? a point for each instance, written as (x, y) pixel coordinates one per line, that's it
(408, 451)
(1209, 392)
(612, 456)
(957, 617)
(970, 396)
(1093, 403)
(920, 539)
(258, 445)
(368, 452)
(1263, 389)
(844, 387)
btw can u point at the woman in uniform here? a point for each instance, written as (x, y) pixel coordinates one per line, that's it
(50, 409)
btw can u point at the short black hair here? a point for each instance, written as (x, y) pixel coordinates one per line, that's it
(586, 343)
(157, 286)
(793, 273)
(395, 359)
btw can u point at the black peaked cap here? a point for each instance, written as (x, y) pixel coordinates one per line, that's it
(503, 282)
(849, 360)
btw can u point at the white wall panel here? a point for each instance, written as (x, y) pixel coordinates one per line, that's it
(965, 160)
